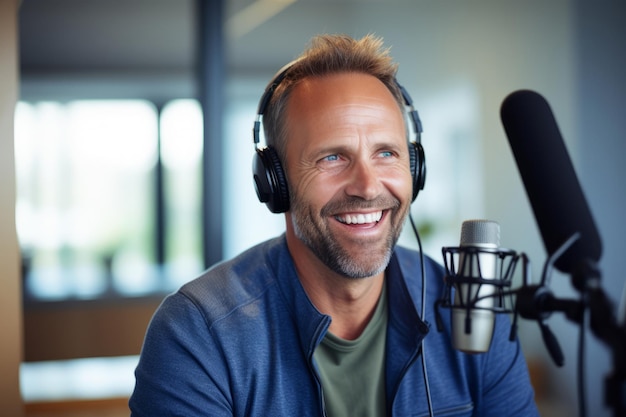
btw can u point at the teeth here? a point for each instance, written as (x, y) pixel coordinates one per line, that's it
(360, 218)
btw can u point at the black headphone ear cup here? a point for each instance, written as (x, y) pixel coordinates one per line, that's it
(270, 181)
(417, 161)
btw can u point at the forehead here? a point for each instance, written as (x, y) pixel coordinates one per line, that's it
(342, 84)
(316, 97)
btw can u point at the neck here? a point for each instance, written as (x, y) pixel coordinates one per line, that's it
(351, 308)
(350, 302)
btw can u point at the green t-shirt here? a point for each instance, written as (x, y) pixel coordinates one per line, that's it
(353, 371)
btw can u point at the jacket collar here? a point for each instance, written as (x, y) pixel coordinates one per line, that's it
(311, 323)
(405, 328)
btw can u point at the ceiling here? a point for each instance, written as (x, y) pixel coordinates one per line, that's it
(108, 36)
(111, 35)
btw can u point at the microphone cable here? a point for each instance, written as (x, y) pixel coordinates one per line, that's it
(423, 274)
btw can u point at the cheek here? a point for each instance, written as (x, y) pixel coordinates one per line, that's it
(307, 182)
(300, 175)
(305, 185)
(399, 182)
(314, 189)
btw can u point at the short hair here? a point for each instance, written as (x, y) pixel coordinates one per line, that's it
(328, 54)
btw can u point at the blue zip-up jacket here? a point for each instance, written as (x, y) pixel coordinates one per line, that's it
(239, 341)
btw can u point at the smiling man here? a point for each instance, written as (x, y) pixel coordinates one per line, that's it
(324, 320)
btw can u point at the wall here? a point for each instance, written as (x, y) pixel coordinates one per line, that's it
(601, 127)
(10, 294)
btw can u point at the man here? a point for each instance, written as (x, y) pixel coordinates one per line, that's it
(324, 321)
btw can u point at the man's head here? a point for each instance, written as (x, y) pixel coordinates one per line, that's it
(336, 124)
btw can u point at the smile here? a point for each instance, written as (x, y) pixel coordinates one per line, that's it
(360, 218)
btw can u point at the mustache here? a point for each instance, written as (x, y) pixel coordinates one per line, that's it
(347, 204)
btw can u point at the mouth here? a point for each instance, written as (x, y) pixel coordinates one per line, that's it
(360, 218)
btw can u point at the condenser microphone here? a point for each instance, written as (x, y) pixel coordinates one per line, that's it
(558, 203)
(474, 299)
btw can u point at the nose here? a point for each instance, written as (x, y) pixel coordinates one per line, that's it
(364, 181)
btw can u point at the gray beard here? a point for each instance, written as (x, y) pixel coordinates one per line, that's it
(322, 243)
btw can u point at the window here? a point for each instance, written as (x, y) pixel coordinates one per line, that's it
(181, 154)
(87, 197)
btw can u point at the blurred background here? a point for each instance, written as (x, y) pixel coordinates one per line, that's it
(133, 148)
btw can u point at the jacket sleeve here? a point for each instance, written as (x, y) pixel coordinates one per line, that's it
(181, 370)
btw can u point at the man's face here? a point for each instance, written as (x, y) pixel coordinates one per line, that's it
(347, 165)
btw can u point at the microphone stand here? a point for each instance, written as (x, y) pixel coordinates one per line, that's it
(606, 327)
(536, 302)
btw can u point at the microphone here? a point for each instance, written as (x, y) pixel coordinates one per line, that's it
(560, 208)
(472, 312)
(478, 277)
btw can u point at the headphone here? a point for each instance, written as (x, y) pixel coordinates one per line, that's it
(270, 181)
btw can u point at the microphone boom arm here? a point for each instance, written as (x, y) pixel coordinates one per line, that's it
(536, 302)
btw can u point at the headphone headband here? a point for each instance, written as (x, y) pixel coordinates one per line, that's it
(265, 99)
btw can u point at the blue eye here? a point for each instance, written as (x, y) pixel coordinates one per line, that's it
(386, 154)
(331, 158)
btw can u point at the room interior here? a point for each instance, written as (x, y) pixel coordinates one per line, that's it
(208, 62)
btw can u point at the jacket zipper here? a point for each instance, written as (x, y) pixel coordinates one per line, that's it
(320, 328)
